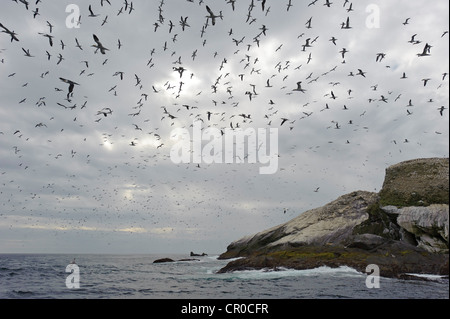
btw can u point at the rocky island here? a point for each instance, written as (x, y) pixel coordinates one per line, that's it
(403, 229)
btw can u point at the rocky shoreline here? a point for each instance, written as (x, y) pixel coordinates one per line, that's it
(403, 229)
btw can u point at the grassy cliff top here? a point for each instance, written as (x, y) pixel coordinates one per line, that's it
(418, 182)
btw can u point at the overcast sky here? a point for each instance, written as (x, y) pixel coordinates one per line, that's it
(76, 181)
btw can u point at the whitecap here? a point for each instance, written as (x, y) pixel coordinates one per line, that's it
(342, 271)
(427, 276)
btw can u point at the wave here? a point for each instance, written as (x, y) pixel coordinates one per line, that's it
(429, 276)
(342, 271)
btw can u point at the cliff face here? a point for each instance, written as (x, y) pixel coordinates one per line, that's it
(427, 225)
(404, 228)
(331, 224)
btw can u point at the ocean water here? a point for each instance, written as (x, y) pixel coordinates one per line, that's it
(137, 277)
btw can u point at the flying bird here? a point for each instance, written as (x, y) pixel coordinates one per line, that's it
(425, 81)
(50, 37)
(380, 57)
(360, 72)
(71, 86)
(299, 87)
(426, 51)
(346, 25)
(50, 26)
(212, 16)
(343, 52)
(99, 45)
(91, 13)
(27, 53)
(11, 33)
(183, 23)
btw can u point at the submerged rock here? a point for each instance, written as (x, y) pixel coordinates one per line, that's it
(198, 255)
(163, 260)
(169, 260)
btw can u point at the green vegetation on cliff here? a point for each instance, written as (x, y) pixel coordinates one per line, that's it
(379, 223)
(419, 182)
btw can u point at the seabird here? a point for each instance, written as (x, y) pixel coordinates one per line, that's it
(299, 87)
(346, 25)
(71, 85)
(27, 53)
(343, 52)
(425, 81)
(99, 45)
(50, 37)
(50, 26)
(91, 13)
(11, 33)
(333, 96)
(183, 23)
(360, 72)
(212, 16)
(426, 51)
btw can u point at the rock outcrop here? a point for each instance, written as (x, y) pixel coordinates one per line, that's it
(198, 255)
(427, 225)
(403, 229)
(418, 182)
(328, 225)
(163, 260)
(170, 260)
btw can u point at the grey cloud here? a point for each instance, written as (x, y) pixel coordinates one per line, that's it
(84, 171)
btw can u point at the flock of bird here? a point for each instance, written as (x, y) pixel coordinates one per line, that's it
(235, 88)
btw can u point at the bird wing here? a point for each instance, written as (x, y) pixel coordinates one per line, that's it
(97, 40)
(209, 11)
(64, 80)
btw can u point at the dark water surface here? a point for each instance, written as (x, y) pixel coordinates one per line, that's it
(136, 277)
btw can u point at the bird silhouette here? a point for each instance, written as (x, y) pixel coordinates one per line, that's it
(299, 87)
(91, 13)
(12, 34)
(212, 16)
(71, 85)
(99, 45)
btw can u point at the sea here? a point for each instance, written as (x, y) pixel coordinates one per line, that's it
(48, 276)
